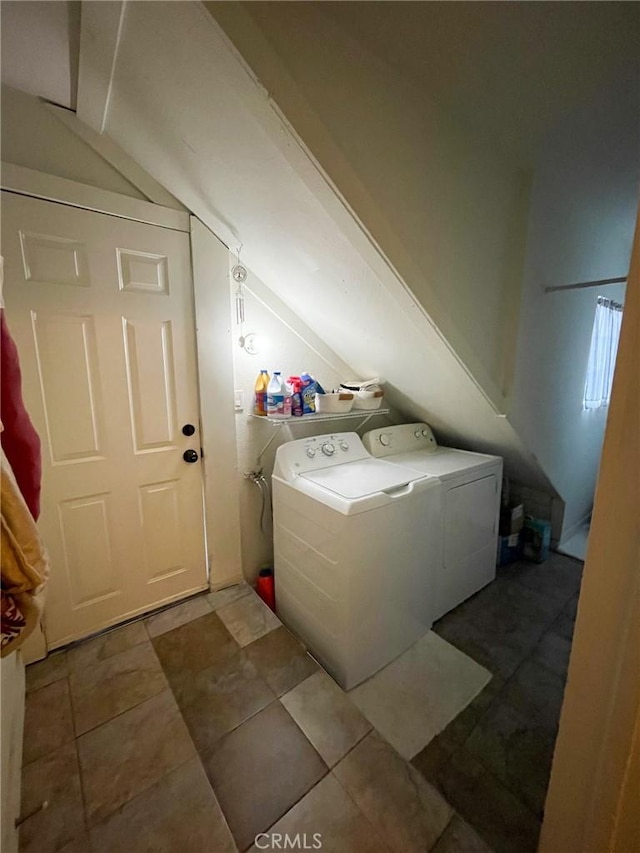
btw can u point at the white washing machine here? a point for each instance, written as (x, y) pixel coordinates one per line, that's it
(471, 505)
(356, 543)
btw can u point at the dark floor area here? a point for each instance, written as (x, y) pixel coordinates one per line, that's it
(492, 763)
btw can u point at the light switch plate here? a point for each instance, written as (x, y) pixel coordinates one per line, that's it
(238, 400)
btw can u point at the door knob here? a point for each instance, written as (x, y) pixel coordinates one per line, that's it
(188, 429)
(190, 456)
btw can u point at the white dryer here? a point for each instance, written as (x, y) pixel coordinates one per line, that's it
(356, 543)
(471, 505)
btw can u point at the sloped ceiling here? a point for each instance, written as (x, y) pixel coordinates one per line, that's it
(509, 70)
(40, 45)
(197, 121)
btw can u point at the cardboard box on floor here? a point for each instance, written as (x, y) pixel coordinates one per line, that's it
(509, 549)
(511, 520)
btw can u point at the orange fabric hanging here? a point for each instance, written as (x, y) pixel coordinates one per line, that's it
(24, 565)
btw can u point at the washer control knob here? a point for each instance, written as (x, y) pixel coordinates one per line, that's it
(328, 449)
(311, 452)
(425, 433)
(418, 433)
(344, 445)
(384, 440)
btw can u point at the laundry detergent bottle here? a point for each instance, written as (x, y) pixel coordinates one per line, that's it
(260, 400)
(310, 387)
(296, 396)
(287, 394)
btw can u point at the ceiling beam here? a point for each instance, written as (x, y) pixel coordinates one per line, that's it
(100, 34)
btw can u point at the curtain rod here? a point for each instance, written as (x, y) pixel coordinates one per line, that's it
(582, 284)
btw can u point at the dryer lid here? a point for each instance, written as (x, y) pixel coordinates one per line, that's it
(446, 462)
(362, 478)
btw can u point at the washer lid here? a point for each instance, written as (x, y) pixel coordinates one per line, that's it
(445, 462)
(364, 477)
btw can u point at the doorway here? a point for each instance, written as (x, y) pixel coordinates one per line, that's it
(101, 309)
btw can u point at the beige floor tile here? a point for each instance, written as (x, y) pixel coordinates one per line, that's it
(194, 646)
(56, 779)
(127, 755)
(417, 695)
(179, 814)
(326, 715)
(48, 722)
(327, 816)
(178, 615)
(106, 645)
(228, 595)
(459, 837)
(281, 660)
(53, 668)
(248, 619)
(259, 770)
(217, 699)
(100, 692)
(409, 813)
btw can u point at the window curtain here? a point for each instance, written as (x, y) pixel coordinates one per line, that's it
(602, 355)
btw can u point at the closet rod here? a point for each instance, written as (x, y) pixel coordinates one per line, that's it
(586, 284)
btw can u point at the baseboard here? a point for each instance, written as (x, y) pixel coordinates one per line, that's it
(232, 580)
(571, 531)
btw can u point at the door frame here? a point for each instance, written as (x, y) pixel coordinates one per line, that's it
(213, 317)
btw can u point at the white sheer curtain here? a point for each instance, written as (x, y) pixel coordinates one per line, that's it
(602, 355)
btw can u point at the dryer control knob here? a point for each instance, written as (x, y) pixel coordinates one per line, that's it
(384, 440)
(311, 452)
(328, 449)
(344, 445)
(425, 434)
(418, 433)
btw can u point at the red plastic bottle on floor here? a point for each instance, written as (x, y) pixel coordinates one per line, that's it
(266, 588)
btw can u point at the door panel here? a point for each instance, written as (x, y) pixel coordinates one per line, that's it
(163, 528)
(86, 527)
(152, 384)
(143, 271)
(54, 260)
(101, 310)
(65, 349)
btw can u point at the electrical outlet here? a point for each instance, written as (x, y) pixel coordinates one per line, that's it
(238, 400)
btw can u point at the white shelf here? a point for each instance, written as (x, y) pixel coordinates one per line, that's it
(308, 419)
(365, 414)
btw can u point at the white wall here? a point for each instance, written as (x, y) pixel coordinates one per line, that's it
(242, 171)
(40, 43)
(12, 692)
(32, 137)
(442, 206)
(291, 347)
(215, 382)
(432, 190)
(583, 207)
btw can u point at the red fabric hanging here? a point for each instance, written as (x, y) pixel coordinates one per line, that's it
(20, 440)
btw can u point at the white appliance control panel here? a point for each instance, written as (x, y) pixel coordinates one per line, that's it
(316, 452)
(400, 439)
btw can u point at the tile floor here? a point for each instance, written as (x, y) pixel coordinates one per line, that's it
(492, 762)
(201, 726)
(414, 697)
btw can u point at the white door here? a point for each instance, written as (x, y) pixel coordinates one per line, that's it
(101, 309)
